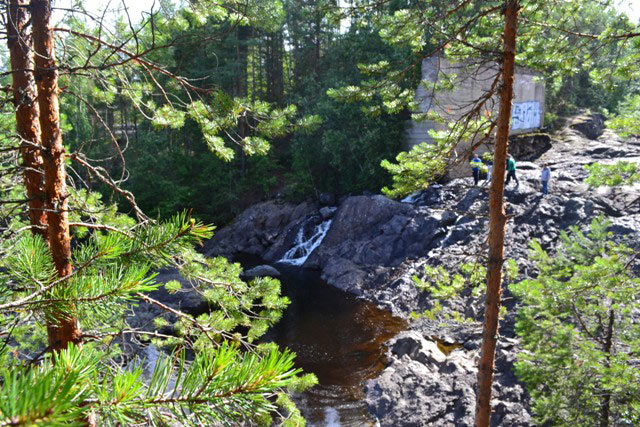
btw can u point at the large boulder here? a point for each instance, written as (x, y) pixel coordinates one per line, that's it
(258, 229)
(260, 271)
(365, 230)
(529, 146)
(360, 215)
(426, 384)
(590, 125)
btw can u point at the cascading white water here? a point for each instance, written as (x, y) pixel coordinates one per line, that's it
(445, 239)
(411, 198)
(302, 246)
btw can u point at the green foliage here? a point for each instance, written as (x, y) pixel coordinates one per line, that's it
(487, 157)
(443, 285)
(467, 282)
(577, 69)
(627, 122)
(579, 331)
(344, 153)
(612, 175)
(113, 272)
(218, 385)
(213, 372)
(50, 394)
(425, 163)
(416, 169)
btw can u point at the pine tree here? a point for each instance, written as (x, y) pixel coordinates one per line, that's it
(579, 331)
(482, 34)
(67, 286)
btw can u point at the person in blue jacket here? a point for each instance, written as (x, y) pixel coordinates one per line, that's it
(476, 164)
(545, 177)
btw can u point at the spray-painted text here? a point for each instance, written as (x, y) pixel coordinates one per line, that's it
(526, 115)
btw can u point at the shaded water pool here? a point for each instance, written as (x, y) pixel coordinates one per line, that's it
(339, 338)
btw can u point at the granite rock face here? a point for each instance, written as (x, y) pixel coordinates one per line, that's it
(590, 125)
(260, 228)
(431, 382)
(375, 246)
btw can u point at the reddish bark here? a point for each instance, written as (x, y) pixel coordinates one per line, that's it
(62, 329)
(27, 125)
(605, 400)
(497, 221)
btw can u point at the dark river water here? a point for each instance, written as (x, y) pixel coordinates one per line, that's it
(337, 337)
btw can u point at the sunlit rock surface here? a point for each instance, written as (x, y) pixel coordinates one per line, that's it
(375, 245)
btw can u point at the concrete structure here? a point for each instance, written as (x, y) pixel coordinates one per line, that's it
(471, 82)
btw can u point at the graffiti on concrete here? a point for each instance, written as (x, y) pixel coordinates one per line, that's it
(526, 115)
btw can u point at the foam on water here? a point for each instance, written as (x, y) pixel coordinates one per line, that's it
(331, 417)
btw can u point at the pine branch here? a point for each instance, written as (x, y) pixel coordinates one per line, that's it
(182, 315)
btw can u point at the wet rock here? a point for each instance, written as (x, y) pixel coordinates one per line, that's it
(258, 229)
(327, 212)
(261, 271)
(345, 274)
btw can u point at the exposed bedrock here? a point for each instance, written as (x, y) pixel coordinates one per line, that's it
(374, 246)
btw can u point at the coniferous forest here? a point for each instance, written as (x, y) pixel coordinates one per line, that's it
(211, 213)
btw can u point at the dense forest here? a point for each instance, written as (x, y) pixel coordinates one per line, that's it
(128, 138)
(292, 60)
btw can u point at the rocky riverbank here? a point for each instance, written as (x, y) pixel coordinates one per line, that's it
(374, 246)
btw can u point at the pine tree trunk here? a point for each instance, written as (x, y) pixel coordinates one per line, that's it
(497, 221)
(243, 34)
(28, 127)
(275, 71)
(605, 400)
(62, 328)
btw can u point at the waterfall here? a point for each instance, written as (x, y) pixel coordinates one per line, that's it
(303, 246)
(445, 239)
(411, 198)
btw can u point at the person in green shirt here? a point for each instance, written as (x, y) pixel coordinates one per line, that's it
(511, 171)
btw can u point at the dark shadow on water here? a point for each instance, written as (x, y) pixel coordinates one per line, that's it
(339, 338)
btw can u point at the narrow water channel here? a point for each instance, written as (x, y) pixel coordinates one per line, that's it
(337, 337)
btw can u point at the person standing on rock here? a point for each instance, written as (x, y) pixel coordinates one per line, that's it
(511, 171)
(545, 177)
(476, 164)
(487, 159)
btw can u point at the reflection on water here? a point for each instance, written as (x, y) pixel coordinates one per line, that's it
(337, 337)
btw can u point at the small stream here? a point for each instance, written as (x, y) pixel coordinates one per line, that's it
(337, 337)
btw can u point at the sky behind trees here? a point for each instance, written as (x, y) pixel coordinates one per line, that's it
(137, 7)
(631, 8)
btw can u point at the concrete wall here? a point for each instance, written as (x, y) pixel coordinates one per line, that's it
(471, 83)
